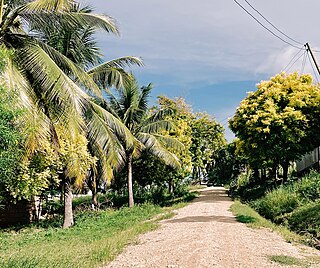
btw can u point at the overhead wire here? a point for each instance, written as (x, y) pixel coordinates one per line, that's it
(293, 58)
(293, 63)
(304, 61)
(275, 27)
(314, 71)
(266, 28)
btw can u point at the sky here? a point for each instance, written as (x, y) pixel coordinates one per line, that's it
(210, 52)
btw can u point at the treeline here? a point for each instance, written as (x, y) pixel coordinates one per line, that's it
(70, 122)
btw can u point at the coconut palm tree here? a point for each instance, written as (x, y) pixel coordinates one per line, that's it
(131, 107)
(78, 44)
(54, 89)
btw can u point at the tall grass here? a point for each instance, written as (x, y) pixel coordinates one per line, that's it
(296, 205)
(277, 203)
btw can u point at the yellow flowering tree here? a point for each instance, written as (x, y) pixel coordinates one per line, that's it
(277, 123)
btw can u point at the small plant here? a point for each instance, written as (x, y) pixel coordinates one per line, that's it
(287, 260)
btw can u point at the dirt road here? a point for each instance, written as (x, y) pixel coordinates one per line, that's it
(206, 234)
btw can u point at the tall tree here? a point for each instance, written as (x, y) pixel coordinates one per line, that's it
(132, 108)
(182, 117)
(78, 44)
(207, 140)
(279, 122)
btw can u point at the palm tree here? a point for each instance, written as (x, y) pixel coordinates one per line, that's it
(79, 45)
(54, 89)
(131, 107)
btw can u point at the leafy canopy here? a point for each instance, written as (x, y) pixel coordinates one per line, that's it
(279, 121)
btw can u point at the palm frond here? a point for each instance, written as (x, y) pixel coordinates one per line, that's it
(104, 120)
(170, 142)
(107, 163)
(157, 126)
(112, 73)
(160, 114)
(156, 148)
(68, 67)
(34, 121)
(120, 63)
(48, 6)
(144, 97)
(51, 80)
(38, 18)
(98, 21)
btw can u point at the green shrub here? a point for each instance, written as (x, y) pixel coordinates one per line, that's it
(309, 187)
(277, 203)
(306, 219)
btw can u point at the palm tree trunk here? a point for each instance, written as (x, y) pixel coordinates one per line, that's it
(130, 189)
(94, 199)
(68, 214)
(1, 10)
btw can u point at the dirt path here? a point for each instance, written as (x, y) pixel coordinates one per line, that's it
(206, 234)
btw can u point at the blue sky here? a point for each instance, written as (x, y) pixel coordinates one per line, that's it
(210, 52)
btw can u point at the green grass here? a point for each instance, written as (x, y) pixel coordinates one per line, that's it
(97, 238)
(288, 260)
(247, 215)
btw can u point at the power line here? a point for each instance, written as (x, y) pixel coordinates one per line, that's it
(276, 28)
(314, 71)
(307, 46)
(295, 61)
(293, 58)
(304, 61)
(277, 36)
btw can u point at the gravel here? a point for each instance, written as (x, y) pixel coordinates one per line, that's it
(206, 234)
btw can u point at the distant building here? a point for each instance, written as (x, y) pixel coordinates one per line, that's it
(308, 161)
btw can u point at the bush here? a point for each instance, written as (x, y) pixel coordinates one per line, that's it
(277, 203)
(296, 205)
(306, 219)
(247, 187)
(309, 187)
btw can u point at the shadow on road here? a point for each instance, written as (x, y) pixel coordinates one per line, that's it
(213, 195)
(209, 196)
(224, 219)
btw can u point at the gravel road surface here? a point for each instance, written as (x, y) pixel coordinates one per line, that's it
(206, 234)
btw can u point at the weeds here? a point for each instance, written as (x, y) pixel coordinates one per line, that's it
(287, 260)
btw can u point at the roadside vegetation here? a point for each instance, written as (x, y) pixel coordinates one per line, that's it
(274, 126)
(246, 214)
(96, 238)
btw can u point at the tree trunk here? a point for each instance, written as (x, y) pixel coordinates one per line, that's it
(285, 167)
(62, 191)
(94, 193)
(68, 214)
(274, 172)
(92, 184)
(130, 189)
